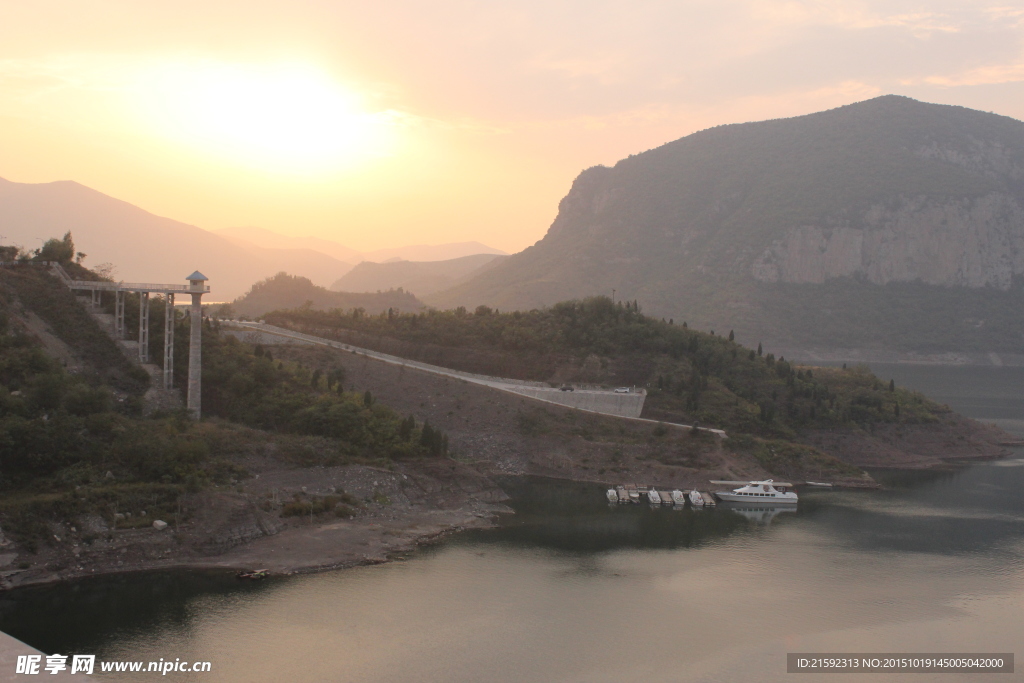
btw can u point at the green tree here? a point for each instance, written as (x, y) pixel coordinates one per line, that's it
(426, 435)
(406, 428)
(60, 250)
(335, 377)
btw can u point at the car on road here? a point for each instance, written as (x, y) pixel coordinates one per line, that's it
(566, 387)
(622, 390)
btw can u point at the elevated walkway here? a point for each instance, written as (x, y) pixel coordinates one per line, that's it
(144, 290)
(195, 288)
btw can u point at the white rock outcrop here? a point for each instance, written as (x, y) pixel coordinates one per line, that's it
(967, 243)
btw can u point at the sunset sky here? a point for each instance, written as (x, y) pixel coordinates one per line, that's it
(378, 124)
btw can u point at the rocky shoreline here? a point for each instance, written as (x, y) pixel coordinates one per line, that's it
(243, 528)
(402, 511)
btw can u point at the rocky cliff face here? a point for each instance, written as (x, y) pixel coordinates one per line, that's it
(949, 242)
(736, 226)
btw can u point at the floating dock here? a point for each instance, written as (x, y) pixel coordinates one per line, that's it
(637, 493)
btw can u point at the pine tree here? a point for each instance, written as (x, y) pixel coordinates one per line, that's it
(406, 428)
(426, 435)
(760, 351)
(732, 336)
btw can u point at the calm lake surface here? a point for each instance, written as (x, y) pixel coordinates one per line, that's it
(570, 589)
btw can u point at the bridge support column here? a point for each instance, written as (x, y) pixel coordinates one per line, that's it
(96, 300)
(169, 341)
(195, 345)
(143, 327)
(119, 313)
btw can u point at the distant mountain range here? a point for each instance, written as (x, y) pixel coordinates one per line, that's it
(419, 277)
(144, 247)
(889, 223)
(268, 239)
(285, 291)
(416, 252)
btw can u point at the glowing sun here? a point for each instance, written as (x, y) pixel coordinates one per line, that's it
(290, 118)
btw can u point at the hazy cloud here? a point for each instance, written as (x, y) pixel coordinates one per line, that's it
(509, 99)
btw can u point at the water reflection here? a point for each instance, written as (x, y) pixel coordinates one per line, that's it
(88, 614)
(759, 514)
(575, 517)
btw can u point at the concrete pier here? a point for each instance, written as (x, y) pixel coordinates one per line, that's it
(169, 340)
(195, 345)
(143, 327)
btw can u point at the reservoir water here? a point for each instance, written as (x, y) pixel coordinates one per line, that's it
(570, 589)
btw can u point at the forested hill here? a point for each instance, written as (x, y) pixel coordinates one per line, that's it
(889, 223)
(76, 438)
(691, 376)
(289, 291)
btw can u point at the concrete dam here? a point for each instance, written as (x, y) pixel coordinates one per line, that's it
(594, 400)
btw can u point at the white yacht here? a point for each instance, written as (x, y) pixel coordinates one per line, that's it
(613, 497)
(653, 497)
(766, 491)
(696, 500)
(678, 497)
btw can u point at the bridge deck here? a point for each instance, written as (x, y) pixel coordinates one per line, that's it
(102, 286)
